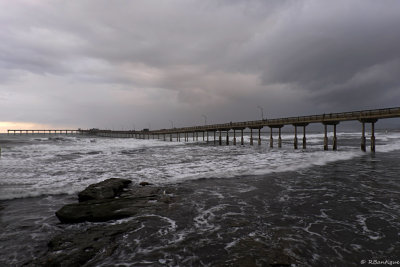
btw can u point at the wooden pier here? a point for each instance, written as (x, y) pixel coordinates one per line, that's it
(330, 120)
(19, 132)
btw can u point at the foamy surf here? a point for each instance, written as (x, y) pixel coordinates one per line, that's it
(65, 165)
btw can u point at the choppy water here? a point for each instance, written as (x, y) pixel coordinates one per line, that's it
(319, 207)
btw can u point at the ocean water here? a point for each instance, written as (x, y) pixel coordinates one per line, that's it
(237, 203)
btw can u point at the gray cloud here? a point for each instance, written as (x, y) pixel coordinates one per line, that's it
(110, 64)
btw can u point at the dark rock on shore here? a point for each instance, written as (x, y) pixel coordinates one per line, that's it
(109, 188)
(104, 205)
(79, 247)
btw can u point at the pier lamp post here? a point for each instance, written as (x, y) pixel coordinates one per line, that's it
(205, 119)
(262, 112)
(172, 124)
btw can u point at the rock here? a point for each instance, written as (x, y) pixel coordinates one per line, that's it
(89, 244)
(79, 247)
(144, 183)
(98, 210)
(127, 204)
(106, 189)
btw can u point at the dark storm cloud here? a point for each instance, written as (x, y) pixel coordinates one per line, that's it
(185, 58)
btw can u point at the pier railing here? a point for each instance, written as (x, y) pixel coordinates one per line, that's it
(320, 118)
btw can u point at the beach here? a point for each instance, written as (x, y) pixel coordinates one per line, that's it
(230, 205)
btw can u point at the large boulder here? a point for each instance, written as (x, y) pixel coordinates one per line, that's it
(106, 189)
(79, 247)
(98, 210)
(104, 207)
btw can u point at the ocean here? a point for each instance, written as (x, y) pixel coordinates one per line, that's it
(236, 205)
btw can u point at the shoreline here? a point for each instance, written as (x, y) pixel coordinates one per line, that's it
(286, 217)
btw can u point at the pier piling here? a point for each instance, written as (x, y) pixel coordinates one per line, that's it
(280, 138)
(271, 139)
(325, 137)
(334, 138)
(363, 139)
(214, 137)
(372, 136)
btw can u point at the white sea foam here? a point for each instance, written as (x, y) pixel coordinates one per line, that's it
(66, 165)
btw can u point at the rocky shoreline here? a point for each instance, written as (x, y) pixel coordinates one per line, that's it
(111, 199)
(144, 224)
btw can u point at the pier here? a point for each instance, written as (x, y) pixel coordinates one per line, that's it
(300, 123)
(19, 132)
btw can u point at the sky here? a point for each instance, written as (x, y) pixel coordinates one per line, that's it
(155, 64)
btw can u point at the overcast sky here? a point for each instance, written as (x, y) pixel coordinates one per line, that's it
(124, 64)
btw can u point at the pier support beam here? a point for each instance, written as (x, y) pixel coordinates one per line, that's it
(280, 138)
(241, 139)
(214, 138)
(334, 138)
(170, 137)
(259, 136)
(220, 138)
(227, 137)
(207, 137)
(234, 137)
(193, 136)
(197, 136)
(373, 137)
(301, 124)
(363, 139)
(334, 145)
(271, 138)
(325, 137)
(203, 136)
(251, 136)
